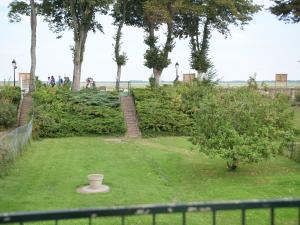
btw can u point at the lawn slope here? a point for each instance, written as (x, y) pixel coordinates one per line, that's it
(143, 171)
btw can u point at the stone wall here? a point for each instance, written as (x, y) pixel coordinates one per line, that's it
(291, 92)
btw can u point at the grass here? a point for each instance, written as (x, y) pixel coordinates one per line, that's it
(144, 171)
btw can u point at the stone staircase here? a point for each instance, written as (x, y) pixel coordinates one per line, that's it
(26, 109)
(129, 110)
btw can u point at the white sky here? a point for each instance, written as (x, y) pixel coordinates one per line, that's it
(266, 46)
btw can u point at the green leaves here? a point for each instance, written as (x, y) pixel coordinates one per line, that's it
(242, 125)
(288, 11)
(9, 101)
(159, 114)
(61, 113)
(18, 8)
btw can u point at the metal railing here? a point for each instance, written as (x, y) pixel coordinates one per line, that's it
(154, 210)
(12, 143)
(293, 151)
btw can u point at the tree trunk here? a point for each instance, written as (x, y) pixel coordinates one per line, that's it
(167, 49)
(157, 75)
(78, 58)
(199, 75)
(118, 77)
(33, 23)
(118, 45)
(233, 165)
(77, 68)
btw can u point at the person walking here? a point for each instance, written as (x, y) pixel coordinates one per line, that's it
(52, 82)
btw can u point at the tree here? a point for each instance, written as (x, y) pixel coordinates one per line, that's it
(242, 125)
(200, 18)
(18, 8)
(80, 17)
(287, 10)
(157, 13)
(151, 15)
(120, 59)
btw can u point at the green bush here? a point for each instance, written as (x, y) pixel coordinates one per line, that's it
(12, 94)
(297, 98)
(242, 125)
(9, 101)
(60, 113)
(8, 113)
(159, 113)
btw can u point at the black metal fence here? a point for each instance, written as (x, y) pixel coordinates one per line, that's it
(154, 210)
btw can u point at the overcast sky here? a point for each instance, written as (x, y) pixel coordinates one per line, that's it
(266, 46)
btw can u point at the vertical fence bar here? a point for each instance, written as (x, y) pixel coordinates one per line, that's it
(153, 219)
(298, 216)
(56, 222)
(243, 217)
(123, 220)
(183, 218)
(272, 216)
(90, 220)
(214, 221)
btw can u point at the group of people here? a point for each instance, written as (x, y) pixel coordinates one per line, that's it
(60, 82)
(90, 83)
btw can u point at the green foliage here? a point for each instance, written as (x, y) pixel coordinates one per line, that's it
(154, 56)
(252, 84)
(159, 113)
(8, 113)
(152, 82)
(60, 113)
(287, 10)
(297, 98)
(12, 94)
(242, 125)
(9, 101)
(198, 19)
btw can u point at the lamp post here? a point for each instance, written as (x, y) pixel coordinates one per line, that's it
(14, 65)
(177, 67)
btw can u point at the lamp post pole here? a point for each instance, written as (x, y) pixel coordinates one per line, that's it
(177, 67)
(14, 65)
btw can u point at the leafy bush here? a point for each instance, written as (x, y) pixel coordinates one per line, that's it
(9, 101)
(242, 125)
(12, 94)
(297, 98)
(8, 113)
(159, 113)
(60, 113)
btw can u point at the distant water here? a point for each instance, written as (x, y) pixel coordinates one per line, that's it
(141, 84)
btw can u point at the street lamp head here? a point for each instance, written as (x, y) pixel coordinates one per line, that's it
(14, 64)
(177, 65)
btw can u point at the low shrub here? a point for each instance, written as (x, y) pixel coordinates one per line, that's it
(9, 101)
(60, 113)
(159, 113)
(242, 125)
(12, 94)
(297, 98)
(8, 113)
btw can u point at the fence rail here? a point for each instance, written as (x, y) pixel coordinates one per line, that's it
(13, 143)
(154, 210)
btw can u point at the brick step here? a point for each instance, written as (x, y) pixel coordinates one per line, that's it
(130, 116)
(26, 109)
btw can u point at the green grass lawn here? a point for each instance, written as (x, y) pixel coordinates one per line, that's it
(144, 171)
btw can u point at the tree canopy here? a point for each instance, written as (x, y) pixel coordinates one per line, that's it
(80, 17)
(287, 10)
(198, 19)
(242, 125)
